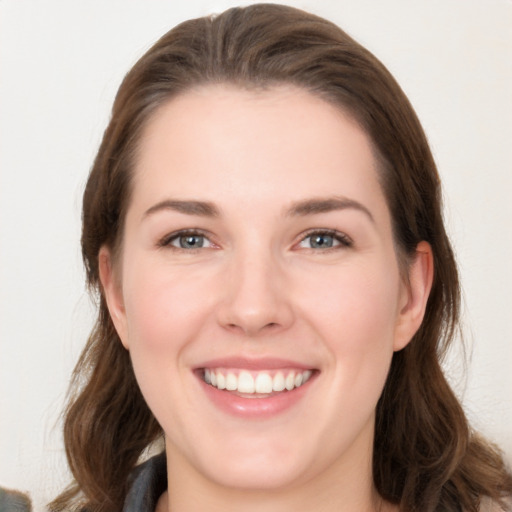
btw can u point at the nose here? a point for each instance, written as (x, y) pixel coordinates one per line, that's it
(255, 298)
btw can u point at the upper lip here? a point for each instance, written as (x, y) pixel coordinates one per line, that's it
(255, 364)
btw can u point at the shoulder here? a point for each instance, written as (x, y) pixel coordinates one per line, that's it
(147, 483)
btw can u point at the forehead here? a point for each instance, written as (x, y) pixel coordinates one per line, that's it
(276, 144)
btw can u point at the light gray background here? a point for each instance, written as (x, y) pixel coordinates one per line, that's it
(60, 65)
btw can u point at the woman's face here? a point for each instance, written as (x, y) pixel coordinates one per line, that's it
(257, 254)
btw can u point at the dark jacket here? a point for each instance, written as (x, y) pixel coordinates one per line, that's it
(148, 483)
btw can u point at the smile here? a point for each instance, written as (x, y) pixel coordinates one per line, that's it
(256, 389)
(258, 383)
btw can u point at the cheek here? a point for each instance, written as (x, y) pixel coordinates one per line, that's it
(164, 314)
(357, 306)
(355, 316)
(162, 309)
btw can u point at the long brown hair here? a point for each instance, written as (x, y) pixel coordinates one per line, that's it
(425, 458)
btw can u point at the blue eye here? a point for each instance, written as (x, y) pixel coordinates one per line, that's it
(325, 240)
(321, 241)
(186, 241)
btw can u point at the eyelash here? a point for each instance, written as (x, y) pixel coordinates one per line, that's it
(166, 241)
(344, 240)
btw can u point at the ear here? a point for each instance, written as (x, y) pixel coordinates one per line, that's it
(113, 294)
(414, 295)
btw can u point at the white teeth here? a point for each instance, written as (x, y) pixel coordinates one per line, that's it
(262, 383)
(221, 381)
(290, 381)
(245, 383)
(278, 382)
(231, 382)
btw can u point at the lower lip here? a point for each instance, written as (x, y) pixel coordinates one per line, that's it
(255, 408)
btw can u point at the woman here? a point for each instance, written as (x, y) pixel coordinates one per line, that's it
(263, 225)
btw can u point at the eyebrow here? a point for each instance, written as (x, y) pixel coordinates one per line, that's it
(324, 205)
(201, 208)
(300, 208)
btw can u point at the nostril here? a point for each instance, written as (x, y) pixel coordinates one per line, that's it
(251, 330)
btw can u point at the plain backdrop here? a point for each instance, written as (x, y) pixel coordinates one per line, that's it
(60, 65)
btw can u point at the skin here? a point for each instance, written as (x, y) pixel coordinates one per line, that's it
(258, 287)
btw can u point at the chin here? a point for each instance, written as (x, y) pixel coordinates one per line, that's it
(260, 475)
(254, 462)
